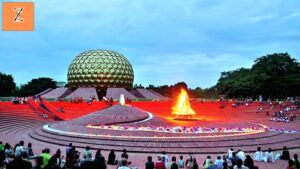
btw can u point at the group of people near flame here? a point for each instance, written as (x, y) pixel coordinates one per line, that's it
(20, 157)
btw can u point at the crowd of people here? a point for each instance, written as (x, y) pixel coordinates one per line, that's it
(21, 157)
(286, 115)
(19, 100)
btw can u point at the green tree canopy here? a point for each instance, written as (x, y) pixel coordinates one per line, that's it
(36, 86)
(7, 84)
(274, 76)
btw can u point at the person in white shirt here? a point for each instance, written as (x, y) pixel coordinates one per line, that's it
(123, 165)
(239, 165)
(219, 162)
(229, 153)
(258, 155)
(165, 159)
(19, 149)
(269, 156)
(241, 155)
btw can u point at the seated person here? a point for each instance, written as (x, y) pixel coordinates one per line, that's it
(239, 165)
(258, 155)
(207, 162)
(112, 158)
(219, 162)
(180, 162)
(269, 157)
(241, 155)
(285, 154)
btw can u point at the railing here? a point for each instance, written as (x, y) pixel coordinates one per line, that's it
(52, 109)
(38, 107)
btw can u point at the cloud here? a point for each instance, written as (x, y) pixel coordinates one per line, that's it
(262, 18)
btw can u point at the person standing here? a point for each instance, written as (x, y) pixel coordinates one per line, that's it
(181, 162)
(160, 164)
(165, 159)
(149, 164)
(173, 164)
(258, 155)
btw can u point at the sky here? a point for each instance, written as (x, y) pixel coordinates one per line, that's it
(166, 41)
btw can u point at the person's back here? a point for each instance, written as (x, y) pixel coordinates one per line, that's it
(233, 159)
(124, 165)
(285, 154)
(190, 163)
(213, 166)
(239, 165)
(38, 163)
(165, 159)
(296, 162)
(219, 163)
(19, 163)
(46, 157)
(291, 165)
(207, 162)
(241, 155)
(181, 162)
(99, 162)
(249, 162)
(19, 150)
(258, 155)
(270, 156)
(195, 166)
(1, 146)
(229, 153)
(29, 150)
(87, 155)
(149, 164)
(112, 158)
(173, 163)
(160, 164)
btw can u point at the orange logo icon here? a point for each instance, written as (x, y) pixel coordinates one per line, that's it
(17, 16)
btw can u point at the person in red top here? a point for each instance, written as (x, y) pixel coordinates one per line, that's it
(160, 164)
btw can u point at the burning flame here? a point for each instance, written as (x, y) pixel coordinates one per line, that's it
(182, 107)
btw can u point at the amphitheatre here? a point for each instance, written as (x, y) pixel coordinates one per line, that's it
(145, 124)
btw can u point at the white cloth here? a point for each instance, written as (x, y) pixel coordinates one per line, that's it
(241, 155)
(19, 151)
(166, 160)
(229, 154)
(123, 167)
(258, 156)
(269, 157)
(219, 163)
(243, 167)
(180, 163)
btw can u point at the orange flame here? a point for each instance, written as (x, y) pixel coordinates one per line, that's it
(182, 107)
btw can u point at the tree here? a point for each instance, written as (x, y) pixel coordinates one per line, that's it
(274, 76)
(36, 86)
(277, 75)
(237, 83)
(7, 84)
(138, 86)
